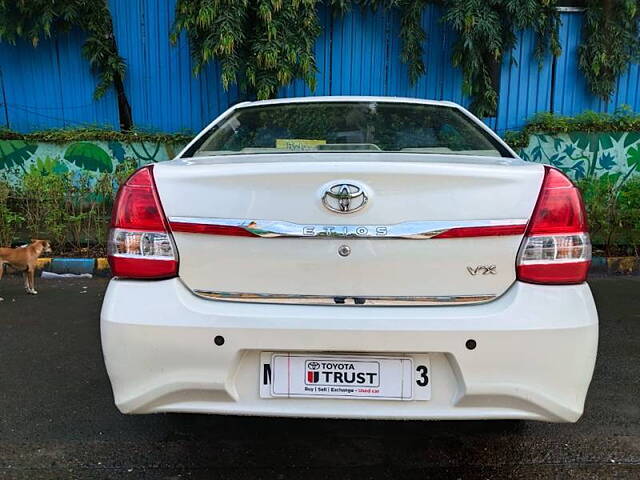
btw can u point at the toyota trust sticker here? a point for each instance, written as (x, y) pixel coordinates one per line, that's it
(384, 378)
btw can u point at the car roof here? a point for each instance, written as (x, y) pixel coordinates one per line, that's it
(346, 98)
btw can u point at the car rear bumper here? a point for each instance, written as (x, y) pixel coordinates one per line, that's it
(535, 354)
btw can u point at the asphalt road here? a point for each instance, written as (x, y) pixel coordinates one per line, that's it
(57, 419)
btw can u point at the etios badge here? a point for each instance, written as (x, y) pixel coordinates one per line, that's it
(344, 198)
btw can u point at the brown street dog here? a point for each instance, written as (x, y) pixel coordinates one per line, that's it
(25, 259)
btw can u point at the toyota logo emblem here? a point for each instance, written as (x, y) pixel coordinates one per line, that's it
(344, 198)
(313, 365)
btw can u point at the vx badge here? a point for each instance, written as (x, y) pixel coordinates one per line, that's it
(482, 270)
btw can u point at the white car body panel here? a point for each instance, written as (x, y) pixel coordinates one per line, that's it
(535, 354)
(534, 346)
(400, 189)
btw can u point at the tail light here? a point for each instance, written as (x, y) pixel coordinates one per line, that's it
(140, 243)
(556, 248)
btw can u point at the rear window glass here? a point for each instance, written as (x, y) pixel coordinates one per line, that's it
(347, 127)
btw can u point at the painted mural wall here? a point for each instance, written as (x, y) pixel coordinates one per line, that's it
(580, 155)
(583, 155)
(18, 157)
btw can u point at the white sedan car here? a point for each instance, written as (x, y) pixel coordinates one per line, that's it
(357, 257)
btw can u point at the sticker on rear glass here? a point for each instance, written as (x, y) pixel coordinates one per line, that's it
(298, 143)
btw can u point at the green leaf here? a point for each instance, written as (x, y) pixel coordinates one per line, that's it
(569, 149)
(89, 157)
(48, 166)
(631, 138)
(14, 153)
(591, 141)
(557, 143)
(117, 151)
(607, 161)
(605, 140)
(616, 136)
(633, 157)
(581, 140)
(536, 153)
(577, 168)
(612, 178)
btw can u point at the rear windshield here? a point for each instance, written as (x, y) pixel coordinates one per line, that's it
(347, 127)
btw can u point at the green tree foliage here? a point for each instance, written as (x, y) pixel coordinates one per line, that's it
(412, 36)
(281, 44)
(9, 219)
(67, 135)
(217, 29)
(622, 120)
(33, 20)
(70, 209)
(262, 44)
(610, 42)
(613, 210)
(265, 44)
(486, 31)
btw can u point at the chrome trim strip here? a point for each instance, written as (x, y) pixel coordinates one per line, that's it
(407, 230)
(377, 301)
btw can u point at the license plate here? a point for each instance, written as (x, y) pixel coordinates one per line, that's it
(293, 375)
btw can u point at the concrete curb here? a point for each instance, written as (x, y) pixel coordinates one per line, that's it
(94, 266)
(615, 266)
(100, 266)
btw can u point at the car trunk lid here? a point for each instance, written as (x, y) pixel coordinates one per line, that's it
(256, 228)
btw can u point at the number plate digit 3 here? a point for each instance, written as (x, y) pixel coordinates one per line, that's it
(422, 375)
